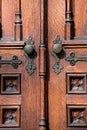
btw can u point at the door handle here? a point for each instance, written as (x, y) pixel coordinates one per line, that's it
(30, 53)
(57, 45)
(57, 52)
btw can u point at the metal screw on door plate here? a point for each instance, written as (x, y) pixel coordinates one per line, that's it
(30, 54)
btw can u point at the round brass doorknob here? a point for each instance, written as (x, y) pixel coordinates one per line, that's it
(57, 48)
(29, 48)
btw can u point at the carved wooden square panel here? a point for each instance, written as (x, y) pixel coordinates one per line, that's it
(76, 83)
(77, 116)
(10, 83)
(10, 116)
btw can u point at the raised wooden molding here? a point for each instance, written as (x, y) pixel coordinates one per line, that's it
(11, 44)
(42, 70)
(69, 26)
(74, 44)
(18, 22)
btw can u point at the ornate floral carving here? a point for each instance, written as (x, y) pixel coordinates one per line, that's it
(9, 117)
(77, 116)
(77, 84)
(11, 83)
(10, 86)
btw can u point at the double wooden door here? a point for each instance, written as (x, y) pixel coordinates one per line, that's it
(43, 65)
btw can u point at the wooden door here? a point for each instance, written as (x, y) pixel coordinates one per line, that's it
(19, 82)
(43, 65)
(67, 79)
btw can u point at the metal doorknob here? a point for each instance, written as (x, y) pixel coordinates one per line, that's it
(30, 54)
(57, 50)
(28, 49)
(29, 46)
(57, 45)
